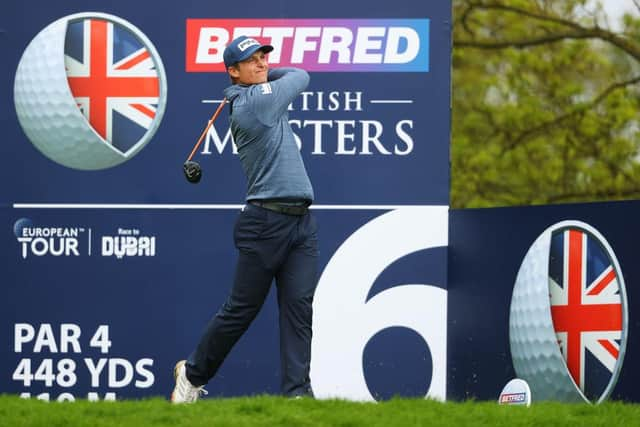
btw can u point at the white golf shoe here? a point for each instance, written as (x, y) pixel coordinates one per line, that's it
(184, 392)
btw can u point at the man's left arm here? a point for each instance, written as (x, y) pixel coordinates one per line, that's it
(273, 97)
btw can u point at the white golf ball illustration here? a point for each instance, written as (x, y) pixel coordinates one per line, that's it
(90, 91)
(568, 320)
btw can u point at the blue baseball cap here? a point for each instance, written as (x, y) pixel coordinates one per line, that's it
(242, 48)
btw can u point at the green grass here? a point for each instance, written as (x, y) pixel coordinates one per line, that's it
(277, 411)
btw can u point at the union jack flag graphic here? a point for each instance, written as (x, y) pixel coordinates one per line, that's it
(586, 308)
(113, 79)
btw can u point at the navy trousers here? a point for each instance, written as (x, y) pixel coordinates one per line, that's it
(271, 245)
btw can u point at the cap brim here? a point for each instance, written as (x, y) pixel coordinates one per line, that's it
(266, 48)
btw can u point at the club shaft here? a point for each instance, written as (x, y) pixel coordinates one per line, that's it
(204, 132)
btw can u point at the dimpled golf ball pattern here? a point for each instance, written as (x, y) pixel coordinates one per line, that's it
(47, 110)
(534, 347)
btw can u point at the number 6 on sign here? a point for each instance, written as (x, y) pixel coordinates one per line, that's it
(344, 321)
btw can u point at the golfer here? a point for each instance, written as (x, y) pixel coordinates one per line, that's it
(275, 234)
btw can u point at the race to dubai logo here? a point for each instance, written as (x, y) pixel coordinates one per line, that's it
(568, 322)
(90, 91)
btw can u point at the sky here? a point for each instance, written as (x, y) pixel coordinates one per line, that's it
(616, 8)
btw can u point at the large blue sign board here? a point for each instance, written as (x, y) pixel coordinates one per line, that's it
(113, 262)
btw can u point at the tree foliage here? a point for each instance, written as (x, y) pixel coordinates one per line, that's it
(545, 103)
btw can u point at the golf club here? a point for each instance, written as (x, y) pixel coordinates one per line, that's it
(192, 169)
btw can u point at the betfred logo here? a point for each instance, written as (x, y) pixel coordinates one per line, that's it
(516, 392)
(344, 45)
(513, 398)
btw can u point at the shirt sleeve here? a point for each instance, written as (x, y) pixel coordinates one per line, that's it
(271, 99)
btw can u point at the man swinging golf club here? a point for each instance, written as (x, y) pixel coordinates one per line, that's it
(275, 234)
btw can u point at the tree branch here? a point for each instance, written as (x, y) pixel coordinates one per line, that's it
(463, 19)
(558, 120)
(545, 17)
(579, 32)
(523, 43)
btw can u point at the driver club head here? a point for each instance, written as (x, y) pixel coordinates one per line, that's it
(192, 171)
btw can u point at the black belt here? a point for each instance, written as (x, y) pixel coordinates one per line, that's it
(282, 207)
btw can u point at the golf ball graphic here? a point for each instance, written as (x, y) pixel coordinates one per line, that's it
(568, 320)
(90, 91)
(20, 225)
